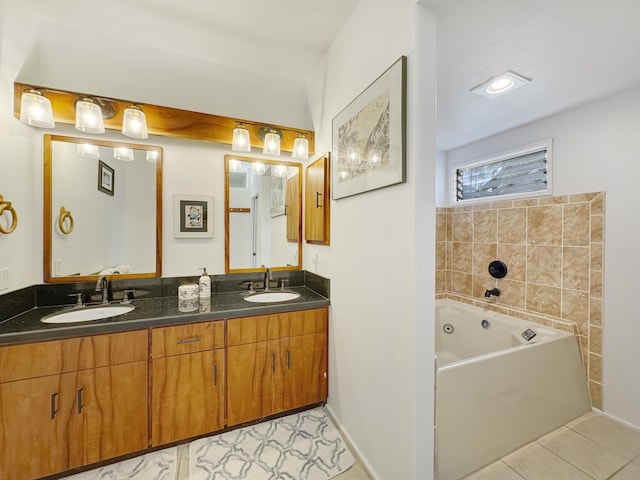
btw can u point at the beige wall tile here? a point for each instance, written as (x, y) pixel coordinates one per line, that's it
(583, 197)
(462, 283)
(597, 205)
(515, 257)
(485, 226)
(500, 205)
(441, 255)
(441, 285)
(596, 256)
(544, 265)
(462, 227)
(449, 256)
(576, 227)
(575, 268)
(597, 228)
(596, 284)
(512, 293)
(482, 283)
(543, 299)
(575, 308)
(558, 200)
(531, 202)
(595, 389)
(544, 225)
(512, 226)
(482, 206)
(441, 227)
(595, 369)
(595, 340)
(595, 312)
(483, 254)
(462, 257)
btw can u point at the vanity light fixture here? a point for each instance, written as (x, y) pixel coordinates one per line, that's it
(134, 122)
(89, 116)
(123, 153)
(300, 148)
(241, 141)
(87, 150)
(501, 84)
(35, 109)
(271, 143)
(152, 156)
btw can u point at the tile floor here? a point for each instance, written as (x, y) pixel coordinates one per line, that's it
(592, 447)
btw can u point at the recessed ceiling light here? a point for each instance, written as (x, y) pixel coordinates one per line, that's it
(500, 84)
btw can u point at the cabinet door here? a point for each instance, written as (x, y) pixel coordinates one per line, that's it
(187, 396)
(304, 372)
(35, 426)
(254, 374)
(109, 414)
(317, 202)
(292, 209)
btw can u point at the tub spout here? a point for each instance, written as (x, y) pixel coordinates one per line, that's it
(494, 291)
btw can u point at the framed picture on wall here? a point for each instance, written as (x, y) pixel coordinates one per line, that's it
(192, 216)
(106, 178)
(369, 136)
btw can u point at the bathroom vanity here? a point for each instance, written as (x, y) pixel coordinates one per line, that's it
(79, 395)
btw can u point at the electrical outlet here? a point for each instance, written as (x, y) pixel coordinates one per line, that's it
(4, 279)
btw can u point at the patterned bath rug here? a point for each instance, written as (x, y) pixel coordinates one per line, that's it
(304, 446)
(160, 465)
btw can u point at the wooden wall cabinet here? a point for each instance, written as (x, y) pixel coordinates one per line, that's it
(68, 403)
(187, 393)
(275, 363)
(317, 214)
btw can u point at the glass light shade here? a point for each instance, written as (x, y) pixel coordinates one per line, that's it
(271, 144)
(35, 110)
(87, 150)
(134, 123)
(375, 158)
(258, 168)
(280, 171)
(241, 141)
(234, 165)
(89, 116)
(152, 156)
(123, 153)
(300, 148)
(353, 156)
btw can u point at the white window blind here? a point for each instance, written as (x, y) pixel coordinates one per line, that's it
(515, 175)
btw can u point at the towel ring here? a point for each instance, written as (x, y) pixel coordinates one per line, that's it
(6, 207)
(65, 215)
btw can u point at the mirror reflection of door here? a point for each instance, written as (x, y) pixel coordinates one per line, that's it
(255, 229)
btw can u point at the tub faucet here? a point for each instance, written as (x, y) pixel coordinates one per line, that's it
(102, 285)
(494, 291)
(267, 278)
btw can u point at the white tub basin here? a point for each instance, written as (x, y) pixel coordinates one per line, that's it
(86, 314)
(271, 297)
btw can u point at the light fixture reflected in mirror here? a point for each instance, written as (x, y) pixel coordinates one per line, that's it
(234, 165)
(241, 141)
(279, 170)
(123, 153)
(375, 158)
(300, 148)
(89, 116)
(35, 110)
(271, 143)
(87, 150)
(258, 168)
(152, 156)
(353, 156)
(134, 123)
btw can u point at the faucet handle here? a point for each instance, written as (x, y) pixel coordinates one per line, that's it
(125, 296)
(78, 296)
(283, 283)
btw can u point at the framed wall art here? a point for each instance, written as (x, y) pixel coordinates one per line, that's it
(277, 196)
(369, 136)
(192, 216)
(106, 178)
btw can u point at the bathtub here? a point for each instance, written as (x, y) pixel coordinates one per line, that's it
(501, 382)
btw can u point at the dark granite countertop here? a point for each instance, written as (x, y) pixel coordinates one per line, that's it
(149, 312)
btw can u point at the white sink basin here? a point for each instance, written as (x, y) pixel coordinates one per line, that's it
(271, 297)
(86, 314)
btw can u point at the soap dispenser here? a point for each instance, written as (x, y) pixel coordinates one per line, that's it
(205, 284)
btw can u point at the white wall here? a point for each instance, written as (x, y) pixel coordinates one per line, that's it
(597, 147)
(381, 335)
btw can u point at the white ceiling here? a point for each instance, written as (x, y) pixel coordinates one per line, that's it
(574, 50)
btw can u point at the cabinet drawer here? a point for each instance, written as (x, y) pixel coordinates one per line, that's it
(181, 339)
(32, 360)
(261, 328)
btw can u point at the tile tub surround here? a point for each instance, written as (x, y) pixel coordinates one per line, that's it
(553, 248)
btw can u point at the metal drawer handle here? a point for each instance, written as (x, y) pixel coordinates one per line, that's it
(318, 195)
(54, 410)
(188, 340)
(273, 362)
(80, 405)
(215, 374)
(289, 359)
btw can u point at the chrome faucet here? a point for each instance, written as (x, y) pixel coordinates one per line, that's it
(102, 285)
(267, 278)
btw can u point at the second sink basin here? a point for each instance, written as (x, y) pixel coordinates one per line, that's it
(271, 297)
(86, 314)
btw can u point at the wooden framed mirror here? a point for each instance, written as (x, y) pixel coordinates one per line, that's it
(102, 209)
(263, 214)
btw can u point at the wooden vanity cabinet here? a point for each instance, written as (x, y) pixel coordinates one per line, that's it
(188, 381)
(275, 363)
(68, 403)
(317, 202)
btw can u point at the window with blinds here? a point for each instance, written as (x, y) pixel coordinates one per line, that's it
(525, 173)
